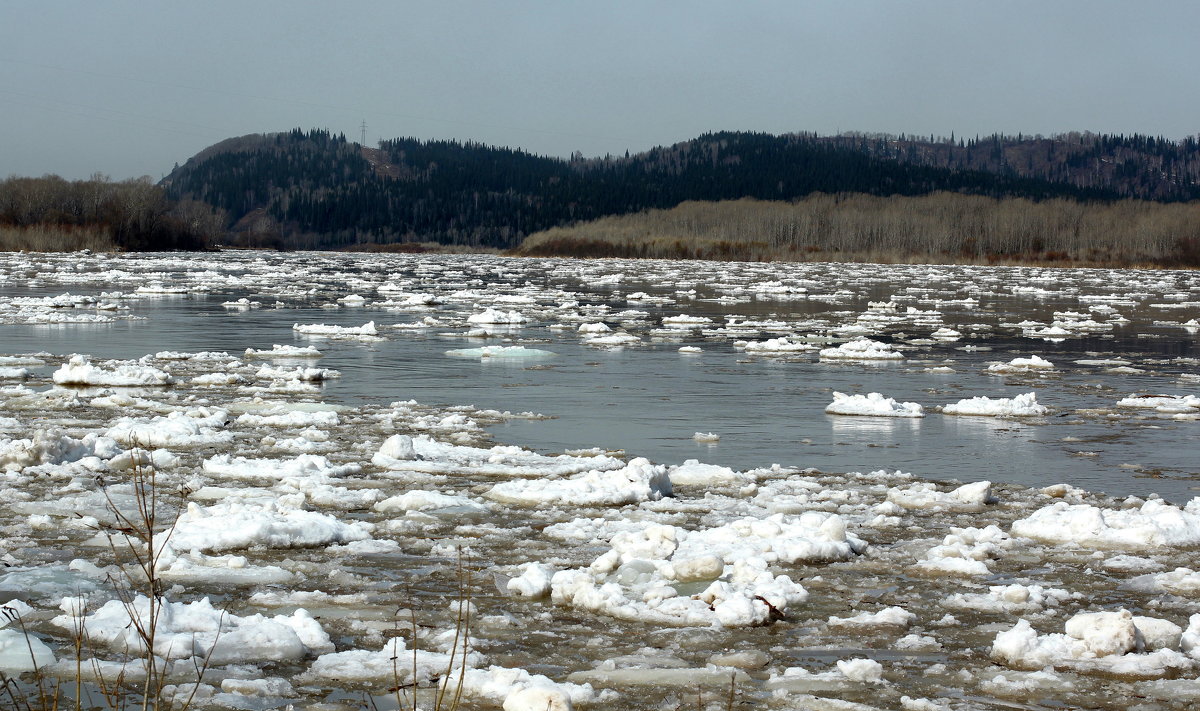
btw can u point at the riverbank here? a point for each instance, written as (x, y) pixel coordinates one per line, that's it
(942, 228)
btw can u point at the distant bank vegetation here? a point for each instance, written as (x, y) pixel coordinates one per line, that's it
(940, 227)
(50, 214)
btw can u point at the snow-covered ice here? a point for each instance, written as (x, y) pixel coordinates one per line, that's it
(872, 405)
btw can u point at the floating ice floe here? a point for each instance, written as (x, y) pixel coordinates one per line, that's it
(1114, 642)
(887, 617)
(197, 568)
(21, 652)
(10, 361)
(366, 331)
(965, 552)
(1025, 405)
(616, 338)
(706, 437)
(1032, 364)
(193, 428)
(242, 304)
(159, 288)
(236, 525)
(52, 447)
(217, 379)
(596, 327)
(711, 577)
(1169, 404)
(1154, 524)
(431, 501)
(512, 689)
(284, 351)
(80, 371)
(422, 453)
(500, 353)
(637, 481)
(200, 356)
(695, 473)
(287, 415)
(783, 344)
(872, 405)
(798, 682)
(861, 349)
(496, 317)
(197, 629)
(968, 497)
(304, 466)
(1181, 581)
(683, 321)
(308, 375)
(1010, 599)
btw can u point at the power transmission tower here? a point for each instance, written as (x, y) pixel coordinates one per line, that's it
(363, 139)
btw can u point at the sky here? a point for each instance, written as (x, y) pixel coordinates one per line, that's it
(132, 88)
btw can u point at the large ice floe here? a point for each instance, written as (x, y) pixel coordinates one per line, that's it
(861, 349)
(500, 353)
(872, 405)
(710, 577)
(80, 371)
(1112, 642)
(1152, 525)
(1032, 364)
(321, 540)
(637, 481)
(1025, 405)
(186, 630)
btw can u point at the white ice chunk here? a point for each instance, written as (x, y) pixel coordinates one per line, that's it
(234, 525)
(861, 349)
(637, 481)
(1032, 364)
(1025, 405)
(968, 497)
(500, 353)
(284, 352)
(80, 371)
(492, 316)
(1154, 524)
(185, 630)
(424, 454)
(872, 405)
(887, 617)
(20, 652)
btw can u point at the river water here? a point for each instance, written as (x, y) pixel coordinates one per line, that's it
(649, 399)
(1108, 336)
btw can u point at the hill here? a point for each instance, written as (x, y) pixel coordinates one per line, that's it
(1136, 166)
(316, 190)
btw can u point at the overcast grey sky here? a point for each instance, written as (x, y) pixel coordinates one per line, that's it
(130, 88)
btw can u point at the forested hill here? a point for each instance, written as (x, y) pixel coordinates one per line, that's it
(1137, 166)
(313, 189)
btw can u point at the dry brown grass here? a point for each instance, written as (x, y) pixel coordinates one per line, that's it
(942, 227)
(55, 238)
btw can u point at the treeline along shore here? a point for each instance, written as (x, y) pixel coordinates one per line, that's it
(940, 227)
(1073, 199)
(51, 214)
